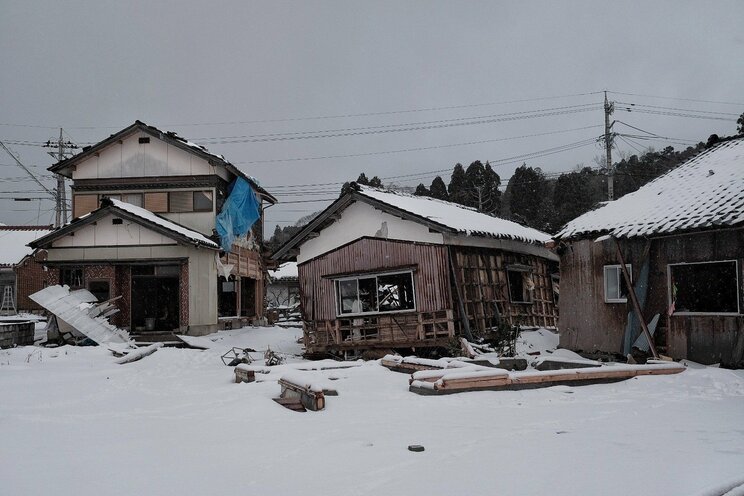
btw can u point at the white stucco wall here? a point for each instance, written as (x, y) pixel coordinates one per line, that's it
(133, 159)
(105, 233)
(361, 219)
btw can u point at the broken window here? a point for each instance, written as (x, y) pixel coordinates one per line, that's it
(72, 277)
(376, 293)
(615, 288)
(100, 289)
(709, 287)
(521, 285)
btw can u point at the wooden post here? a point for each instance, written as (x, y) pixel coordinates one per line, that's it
(634, 299)
(461, 307)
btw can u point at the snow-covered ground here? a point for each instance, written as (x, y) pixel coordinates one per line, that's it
(74, 422)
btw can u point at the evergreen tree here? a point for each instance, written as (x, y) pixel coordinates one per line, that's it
(531, 197)
(457, 188)
(576, 193)
(421, 190)
(438, 189)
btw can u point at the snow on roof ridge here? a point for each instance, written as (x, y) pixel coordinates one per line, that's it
(143, 213)
(461, 218)
(705, 191)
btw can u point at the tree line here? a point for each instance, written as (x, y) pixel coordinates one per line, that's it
(532, 197)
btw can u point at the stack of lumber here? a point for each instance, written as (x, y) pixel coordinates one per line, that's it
(474, 378)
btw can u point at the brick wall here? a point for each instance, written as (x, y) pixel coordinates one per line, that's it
(184, 290)
(31, 276)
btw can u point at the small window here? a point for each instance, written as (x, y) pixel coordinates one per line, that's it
(133, 199)
(616, 290)
(376, 294)
(72, 277)
(83, 204)
(180, 201)
(521, 285)
(710, 287)
(100, 289)
(202, 201)
(156, 202)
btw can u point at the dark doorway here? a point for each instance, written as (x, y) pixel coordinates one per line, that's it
(227, 297)
(155, 299)
(247, 297)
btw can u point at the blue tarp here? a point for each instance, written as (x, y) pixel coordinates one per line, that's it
(240, 211)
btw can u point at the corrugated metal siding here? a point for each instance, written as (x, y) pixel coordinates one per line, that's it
(431, 279)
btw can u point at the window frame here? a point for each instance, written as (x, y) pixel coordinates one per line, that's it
(210, 193)
(337, 293)
(619, 269)
(517, 268)
(682, 314)
(82, 277)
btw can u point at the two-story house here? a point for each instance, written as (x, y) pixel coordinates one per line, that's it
(144, 204)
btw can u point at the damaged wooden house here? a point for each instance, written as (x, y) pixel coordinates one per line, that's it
(151, 211)
(385, 270)
(681, 237)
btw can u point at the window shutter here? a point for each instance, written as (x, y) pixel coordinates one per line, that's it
(156, 202)
(181, 201)
(84, 204)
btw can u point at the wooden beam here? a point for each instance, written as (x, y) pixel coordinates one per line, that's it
(634, 299)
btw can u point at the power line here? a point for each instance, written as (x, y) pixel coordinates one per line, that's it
(423, 148)
(394, 128)
(675, 98)
(325, 117)
(676, 109)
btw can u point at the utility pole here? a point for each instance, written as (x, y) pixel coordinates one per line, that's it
(61, 194)
(608, 109)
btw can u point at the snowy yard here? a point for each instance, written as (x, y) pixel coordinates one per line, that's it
(73, 422)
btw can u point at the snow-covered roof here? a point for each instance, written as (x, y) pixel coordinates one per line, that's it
(162, 222)
(136, 214)
(457, 217)
(14, 241)
(287, 270)
(706, 191)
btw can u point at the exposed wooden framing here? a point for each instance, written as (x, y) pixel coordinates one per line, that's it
(634, 298)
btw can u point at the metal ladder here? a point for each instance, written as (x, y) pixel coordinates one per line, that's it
(8, 307)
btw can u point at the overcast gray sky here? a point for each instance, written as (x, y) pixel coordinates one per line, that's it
(216, 70)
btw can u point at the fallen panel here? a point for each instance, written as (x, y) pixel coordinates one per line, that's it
(78, 310)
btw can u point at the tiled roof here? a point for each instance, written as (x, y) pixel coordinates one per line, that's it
(705, 192)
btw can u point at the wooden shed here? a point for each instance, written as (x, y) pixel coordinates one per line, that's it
(387, 270)
(682, 238)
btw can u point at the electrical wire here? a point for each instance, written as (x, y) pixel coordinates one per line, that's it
(423, 148)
